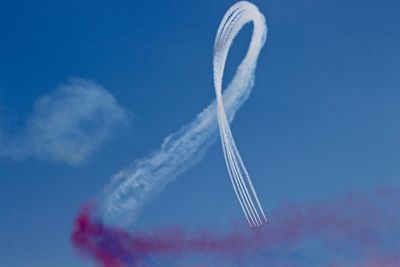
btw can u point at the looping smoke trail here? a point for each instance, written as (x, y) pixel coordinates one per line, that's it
(235, 18)
(133, 186)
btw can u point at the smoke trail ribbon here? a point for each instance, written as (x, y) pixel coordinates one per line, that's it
(235, 18)
(133, 186)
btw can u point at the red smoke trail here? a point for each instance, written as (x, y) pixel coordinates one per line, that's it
(352, 230)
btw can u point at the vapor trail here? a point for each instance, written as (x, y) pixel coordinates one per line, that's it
(133, 186)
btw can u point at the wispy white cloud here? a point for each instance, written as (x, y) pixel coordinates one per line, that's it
(67, 125)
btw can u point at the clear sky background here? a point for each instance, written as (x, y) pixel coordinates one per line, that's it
(324, 115)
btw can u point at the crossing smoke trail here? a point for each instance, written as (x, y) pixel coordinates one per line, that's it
(130, 188)
(353, 229)
(233, 21)
(133, 186)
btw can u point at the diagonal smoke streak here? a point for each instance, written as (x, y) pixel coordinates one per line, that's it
(133, 186)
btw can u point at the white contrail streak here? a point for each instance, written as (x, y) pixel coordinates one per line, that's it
(235, 18)
(133, 186)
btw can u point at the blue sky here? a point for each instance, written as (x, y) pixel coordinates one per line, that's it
(323, 116)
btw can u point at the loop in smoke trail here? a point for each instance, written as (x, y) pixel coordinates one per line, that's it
(133, 186)
(235, 18)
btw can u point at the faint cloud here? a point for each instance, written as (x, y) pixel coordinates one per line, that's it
(67, 125)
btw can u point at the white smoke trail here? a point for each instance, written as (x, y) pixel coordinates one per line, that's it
(237, 16)
(133, 186)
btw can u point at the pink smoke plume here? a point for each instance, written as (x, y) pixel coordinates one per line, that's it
(354, 229)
